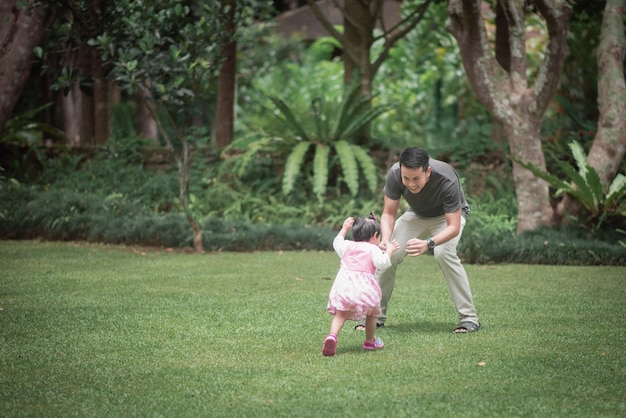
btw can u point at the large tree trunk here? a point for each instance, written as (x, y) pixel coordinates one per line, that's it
(21, 30)
(225, 116)
(508, 96)
(533, 198)
(358, 24)
(609, 146)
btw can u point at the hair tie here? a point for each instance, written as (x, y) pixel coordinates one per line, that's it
(372, 216)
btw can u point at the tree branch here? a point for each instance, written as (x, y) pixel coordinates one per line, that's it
(514, 13)
(484, 73)
(327, 25)
(557, 15)
(395, 35)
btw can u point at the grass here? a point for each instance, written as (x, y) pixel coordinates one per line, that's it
(104, 331)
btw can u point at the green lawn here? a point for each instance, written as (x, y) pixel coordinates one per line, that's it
(91, 330)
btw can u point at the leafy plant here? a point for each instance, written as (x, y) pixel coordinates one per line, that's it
(24, 129)
(314, 136)
(585, 185)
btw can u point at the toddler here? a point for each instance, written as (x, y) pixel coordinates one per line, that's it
(355, 293)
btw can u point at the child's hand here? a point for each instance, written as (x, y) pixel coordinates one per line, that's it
(391, 247)
(347, 224)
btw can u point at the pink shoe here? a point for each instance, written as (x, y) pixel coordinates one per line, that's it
(330, 345)
(373, 345)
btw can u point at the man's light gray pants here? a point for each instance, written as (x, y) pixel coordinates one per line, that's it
(408, 226)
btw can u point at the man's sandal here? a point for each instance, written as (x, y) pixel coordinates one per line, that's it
(466, 327)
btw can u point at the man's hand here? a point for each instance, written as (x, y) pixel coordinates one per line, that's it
(416, 246)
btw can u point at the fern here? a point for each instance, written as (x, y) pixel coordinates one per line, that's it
(346, 110)
(289, 118)
(348, 166)
(320, 170)
(252, 150)
(367, 166)
(293, 165)
(327, 125)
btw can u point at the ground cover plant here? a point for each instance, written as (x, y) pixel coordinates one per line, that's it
(97, 330)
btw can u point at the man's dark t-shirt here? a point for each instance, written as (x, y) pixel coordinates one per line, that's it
(442, 193)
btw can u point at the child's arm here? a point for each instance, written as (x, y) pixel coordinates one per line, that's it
(347, 224)
(382, 259)
(339, 243)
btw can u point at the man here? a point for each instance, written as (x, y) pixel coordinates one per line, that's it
(434, 221)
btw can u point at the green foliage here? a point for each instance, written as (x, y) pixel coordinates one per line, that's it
(64, 216)
(26, 130)
(584, 184)
(323, 125)
(114, 170)
(559, 246)
(491, 221)
(425, 75)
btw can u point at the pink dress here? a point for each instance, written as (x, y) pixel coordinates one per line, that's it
(355, 288)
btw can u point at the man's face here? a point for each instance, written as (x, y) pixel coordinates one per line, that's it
(414, 178)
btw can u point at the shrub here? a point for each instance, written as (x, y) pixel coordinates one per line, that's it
(560, 246)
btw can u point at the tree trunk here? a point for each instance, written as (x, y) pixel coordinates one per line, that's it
(609, 146)
(503, 56)
(533, 198)
(22, 29)
(508, 96)
(225, 116)
(101, 99)
(71, 106)
(183, 162)
(360, 19)
(146, 125)
(359, 27)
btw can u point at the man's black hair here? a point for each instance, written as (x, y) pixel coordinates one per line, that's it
(414, 157)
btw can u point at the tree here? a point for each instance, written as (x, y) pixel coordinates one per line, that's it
(168, 49)
(172, 49)
(22, 29)
(226, 80)
(360, 20)
(76, 70)
(609, 146)
(513, 100)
